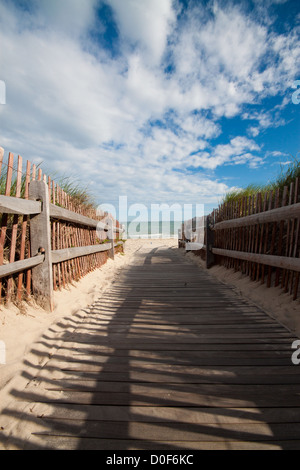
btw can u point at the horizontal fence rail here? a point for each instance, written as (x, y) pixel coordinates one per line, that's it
(74, 218)
(18, 266)
(269, 260)
(274, 215)
(17, 206)
(47, 238)
(66, 254)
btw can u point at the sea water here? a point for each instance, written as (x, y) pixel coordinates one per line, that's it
(153, 229)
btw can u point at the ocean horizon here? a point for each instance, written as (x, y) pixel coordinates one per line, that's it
(159, 229)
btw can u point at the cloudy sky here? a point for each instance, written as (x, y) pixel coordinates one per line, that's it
(162, 101)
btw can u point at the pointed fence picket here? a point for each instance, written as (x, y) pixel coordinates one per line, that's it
(259, 236)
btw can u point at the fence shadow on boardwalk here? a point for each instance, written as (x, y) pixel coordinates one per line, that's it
(167, 359)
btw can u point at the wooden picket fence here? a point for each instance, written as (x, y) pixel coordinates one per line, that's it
(77, 233)
(259, 236)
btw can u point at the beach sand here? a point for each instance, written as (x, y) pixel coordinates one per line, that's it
(21, 330)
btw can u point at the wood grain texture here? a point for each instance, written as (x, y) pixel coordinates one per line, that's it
(167, 359)
(19, 266)
(12, 205)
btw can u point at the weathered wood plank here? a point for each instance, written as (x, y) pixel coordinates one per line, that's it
(181, 322)
(274, 215)
(40, 241)
(13, 205)
(60, 213)
(146, 329)
(59, 256)
(4, 218)
(180, 432)
(82, 380)
(284, 262)
(150, 414)
(111, 237)
(181, 343)
(182, 358)
(154, 366)
(275, 349)
(193, 369)
(23, 239)
(18, 266)
(76, 443)
(67, 215)
(182, 395)
(14, 229)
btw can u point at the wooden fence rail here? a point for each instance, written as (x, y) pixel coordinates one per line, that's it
(45, 246)
(258, 235)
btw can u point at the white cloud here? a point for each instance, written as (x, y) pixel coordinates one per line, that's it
(236, 152)
(68, 16)
(228, 42)
(233, 59)
(122, 121)
(145, 23)
(217, 60)
(247, 158)
(265, 119)
(198, 126)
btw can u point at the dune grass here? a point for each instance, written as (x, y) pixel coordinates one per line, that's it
(286, 176)
(79, 194)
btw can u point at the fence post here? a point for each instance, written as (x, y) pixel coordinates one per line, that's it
(111, 252)
(40, 239)
(209, 243)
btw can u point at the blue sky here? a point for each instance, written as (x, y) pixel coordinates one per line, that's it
(162, 101)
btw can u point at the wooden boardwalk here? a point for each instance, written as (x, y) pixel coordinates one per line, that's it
(167, 359)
